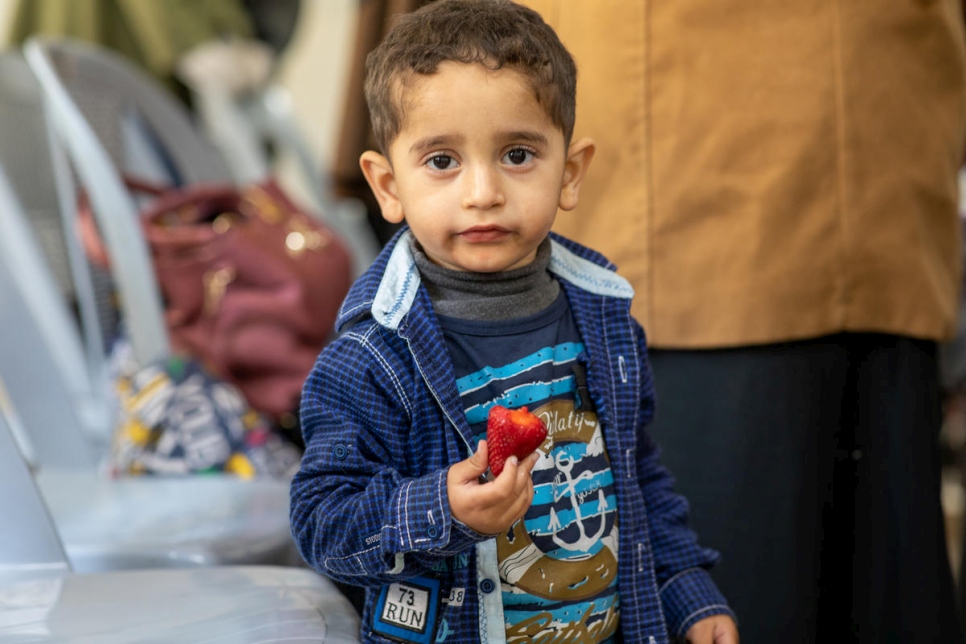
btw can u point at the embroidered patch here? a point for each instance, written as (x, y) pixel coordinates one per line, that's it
(456, 596)
(406, 610)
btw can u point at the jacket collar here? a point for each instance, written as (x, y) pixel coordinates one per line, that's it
(387, 290)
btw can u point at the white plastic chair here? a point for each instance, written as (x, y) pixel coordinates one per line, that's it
(42, 601)
(125, 523)
(38, 172)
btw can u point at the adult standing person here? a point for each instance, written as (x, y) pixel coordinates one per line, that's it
(778, 182)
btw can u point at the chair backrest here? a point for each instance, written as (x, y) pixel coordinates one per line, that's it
(29, 543)
(25, 156)
(114, 209)
(41, 357)
(39, 176)
(113, 119)
(129, 112)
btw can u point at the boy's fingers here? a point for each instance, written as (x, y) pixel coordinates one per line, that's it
(522, 491)
(522, 502)
(523, 480)
(509, 473)
(506, 485)
(479, 457)
(530, 461)
(472, 468)
(506, 489)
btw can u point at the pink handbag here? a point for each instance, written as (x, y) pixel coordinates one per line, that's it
(251, 284)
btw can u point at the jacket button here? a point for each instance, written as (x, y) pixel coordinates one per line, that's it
(432, 531)
(487, 586)
(340, 451)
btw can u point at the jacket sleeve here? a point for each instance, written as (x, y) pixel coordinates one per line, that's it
(687, 591)
(356, 514)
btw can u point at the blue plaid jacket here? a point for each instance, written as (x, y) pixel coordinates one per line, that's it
(382, 421)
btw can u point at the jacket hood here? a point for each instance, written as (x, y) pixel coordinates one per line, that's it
(387, 289)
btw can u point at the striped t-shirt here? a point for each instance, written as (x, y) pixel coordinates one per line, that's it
(558, 566)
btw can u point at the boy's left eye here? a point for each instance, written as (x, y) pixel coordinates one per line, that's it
(518, 156)
(441, 161)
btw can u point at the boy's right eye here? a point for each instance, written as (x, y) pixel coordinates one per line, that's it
(440, 162)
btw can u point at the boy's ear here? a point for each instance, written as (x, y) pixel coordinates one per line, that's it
(579, 156)
(379, 174)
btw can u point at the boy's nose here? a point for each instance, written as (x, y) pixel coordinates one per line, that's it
(482, 188)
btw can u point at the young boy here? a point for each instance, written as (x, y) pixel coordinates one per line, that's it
(476, 304)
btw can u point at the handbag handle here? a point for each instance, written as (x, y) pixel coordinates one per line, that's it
(145, 186)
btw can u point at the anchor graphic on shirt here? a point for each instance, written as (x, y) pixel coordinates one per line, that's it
(565, 465)
(524, 563)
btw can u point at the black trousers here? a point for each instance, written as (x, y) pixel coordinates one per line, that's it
(813, 468)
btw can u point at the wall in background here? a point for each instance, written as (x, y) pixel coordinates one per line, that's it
(6, 7)
(315, 67)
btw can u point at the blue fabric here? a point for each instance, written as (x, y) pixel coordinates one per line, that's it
(383, 419)
(497, 363)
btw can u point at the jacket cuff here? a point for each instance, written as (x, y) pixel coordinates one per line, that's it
(690, 596)
(417, 514)
(423, 523)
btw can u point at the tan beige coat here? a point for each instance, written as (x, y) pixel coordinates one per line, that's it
(771, 170)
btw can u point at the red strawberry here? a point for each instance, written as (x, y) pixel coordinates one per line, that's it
(512, 432)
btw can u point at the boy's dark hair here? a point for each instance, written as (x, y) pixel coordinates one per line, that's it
(493, 33)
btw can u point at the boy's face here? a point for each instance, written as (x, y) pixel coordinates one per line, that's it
(478, 169)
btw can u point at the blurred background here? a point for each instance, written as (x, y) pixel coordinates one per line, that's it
(210, 57)
(214, 92)
(313, 66)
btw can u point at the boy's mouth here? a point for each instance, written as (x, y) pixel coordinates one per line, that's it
(479, 234)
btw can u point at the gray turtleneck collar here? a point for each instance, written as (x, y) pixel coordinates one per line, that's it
(489, 296)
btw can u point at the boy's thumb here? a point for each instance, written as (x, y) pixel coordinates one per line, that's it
(476, 464)
(479, 457)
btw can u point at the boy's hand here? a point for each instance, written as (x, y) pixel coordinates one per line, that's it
(717, 629)
(494, 506)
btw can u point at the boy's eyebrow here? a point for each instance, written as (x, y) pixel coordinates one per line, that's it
(430, 142)
(528, 136)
